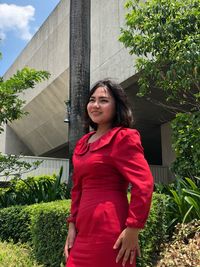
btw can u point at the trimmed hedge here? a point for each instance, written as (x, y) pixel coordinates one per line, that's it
(15, 224)
(49, 232)
(155, 231)
(44, 227)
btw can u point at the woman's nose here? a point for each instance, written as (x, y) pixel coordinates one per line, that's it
(96, 104)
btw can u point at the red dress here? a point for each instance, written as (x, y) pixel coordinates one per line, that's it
(100, 210)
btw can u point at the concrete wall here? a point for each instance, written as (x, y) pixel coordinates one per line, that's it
(47, 50)
(108, 56)
(13, 145)
(168, 155)
(43, 129)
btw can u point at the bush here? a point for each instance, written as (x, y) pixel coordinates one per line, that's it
(44, 227)
(49, 232)
(186, 143)
(183, 205)
(154, 233)
(15, 224)
(16, 255)
(183, 250)
(32, 190)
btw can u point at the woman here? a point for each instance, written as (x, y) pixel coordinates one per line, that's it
(103, 226)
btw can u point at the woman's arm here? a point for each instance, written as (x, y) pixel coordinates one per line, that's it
(130, 162)
(75, 201)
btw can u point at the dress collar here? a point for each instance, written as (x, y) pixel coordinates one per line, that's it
(83, 146)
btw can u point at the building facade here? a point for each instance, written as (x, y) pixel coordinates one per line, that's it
(43, 132)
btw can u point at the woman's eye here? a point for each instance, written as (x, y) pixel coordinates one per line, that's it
(104, 100)
(91, 100)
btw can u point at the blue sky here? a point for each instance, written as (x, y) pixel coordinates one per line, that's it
(19, 20)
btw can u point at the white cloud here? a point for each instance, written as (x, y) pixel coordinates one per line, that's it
(16, 18)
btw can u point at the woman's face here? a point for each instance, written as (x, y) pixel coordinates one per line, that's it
(101, 107)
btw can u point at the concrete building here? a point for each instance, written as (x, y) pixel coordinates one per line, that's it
(42, 132)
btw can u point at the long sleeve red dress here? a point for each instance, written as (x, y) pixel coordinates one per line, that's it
(100, 209)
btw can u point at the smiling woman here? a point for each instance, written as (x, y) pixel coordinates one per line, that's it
(103, 226)
(101, 110)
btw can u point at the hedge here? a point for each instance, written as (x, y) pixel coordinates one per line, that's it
(44, 227)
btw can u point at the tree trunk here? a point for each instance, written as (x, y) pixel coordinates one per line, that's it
(79, 69)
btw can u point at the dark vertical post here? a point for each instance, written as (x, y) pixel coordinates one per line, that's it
(79, 69)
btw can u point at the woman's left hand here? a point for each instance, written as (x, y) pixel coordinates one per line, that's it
(128, 244)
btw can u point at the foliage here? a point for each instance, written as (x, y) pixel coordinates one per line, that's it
(10, 103)
(154, 233)
(44, 227)
(166, 37)
(11, 165)
(15, 224)
(49, 231)
(183, 250)
(12, 255)
(11, 108)
(184, 199)
(186, 144)
(34, 190)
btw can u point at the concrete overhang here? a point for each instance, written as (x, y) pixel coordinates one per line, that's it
(43, 129)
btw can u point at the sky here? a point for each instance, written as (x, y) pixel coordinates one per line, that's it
(19, 21)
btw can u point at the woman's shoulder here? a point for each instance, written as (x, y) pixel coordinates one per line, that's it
(127, 140)
(128, 133)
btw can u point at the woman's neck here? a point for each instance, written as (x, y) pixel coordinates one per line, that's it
(101, 130)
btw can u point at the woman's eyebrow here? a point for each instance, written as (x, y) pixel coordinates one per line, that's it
(101, 97)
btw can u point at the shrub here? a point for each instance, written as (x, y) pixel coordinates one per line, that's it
(36, 189)
(183, 250)
(49, 232)
(186, 144)
(183, 205)
(44, 226)
(15, 224)
(154, 233)
(12, 255)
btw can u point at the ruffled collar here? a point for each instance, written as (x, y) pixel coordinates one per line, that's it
(83, 146)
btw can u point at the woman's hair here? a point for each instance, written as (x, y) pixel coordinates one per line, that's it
(123, 116)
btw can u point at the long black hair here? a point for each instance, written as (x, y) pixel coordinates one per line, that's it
(123, 116)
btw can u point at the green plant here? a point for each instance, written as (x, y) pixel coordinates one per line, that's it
(43, 226)
(15, 224)
(34, 190)
(16, 255)
(155, 231)
(49, 231)
(11, 105)
(186, 144)
(165, 36)
(14, 166)
(184, 199)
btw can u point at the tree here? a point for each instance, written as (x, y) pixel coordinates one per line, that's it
(10, 103)
(11, 108)
(79, 69)
(165, 35)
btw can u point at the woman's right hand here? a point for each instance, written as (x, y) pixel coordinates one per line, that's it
(70, 239)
